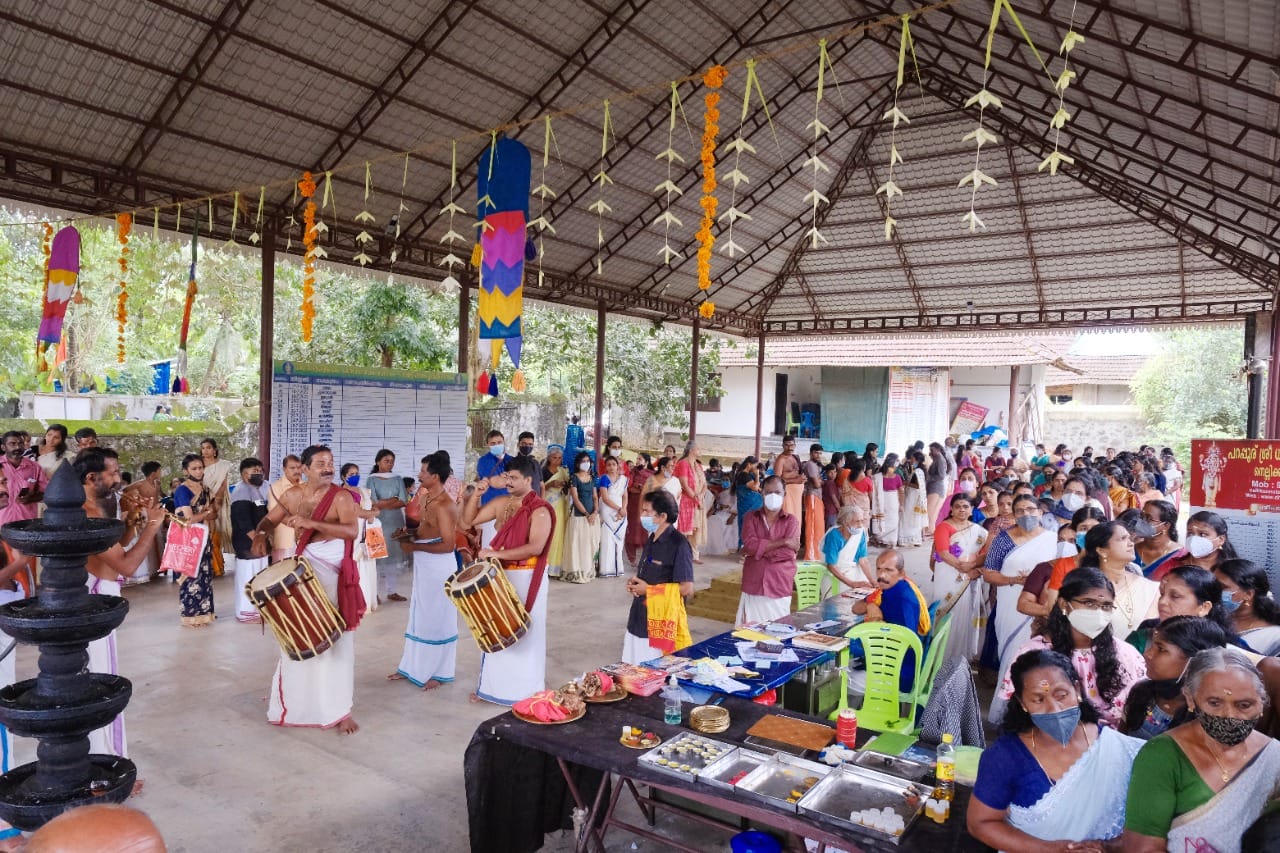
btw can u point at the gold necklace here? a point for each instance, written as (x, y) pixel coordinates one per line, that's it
(1226, 777)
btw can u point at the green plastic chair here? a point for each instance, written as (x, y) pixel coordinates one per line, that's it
(884, 647)
(932, 663)
(808, 583)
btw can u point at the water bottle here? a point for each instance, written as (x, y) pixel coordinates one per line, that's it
(671, 707)
(946, 771)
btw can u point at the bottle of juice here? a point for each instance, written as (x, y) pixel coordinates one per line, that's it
(946, 771)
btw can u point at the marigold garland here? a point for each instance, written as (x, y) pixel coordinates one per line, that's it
(713, 79)
(124, 225)
(307, 189)
(46, 242)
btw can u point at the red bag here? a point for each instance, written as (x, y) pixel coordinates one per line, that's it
(183, 549)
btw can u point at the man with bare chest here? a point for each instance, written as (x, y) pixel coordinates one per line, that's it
(431, 637)
(318, 692)
(787, 468)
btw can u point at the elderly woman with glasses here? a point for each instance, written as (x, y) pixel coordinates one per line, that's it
(1080, 628)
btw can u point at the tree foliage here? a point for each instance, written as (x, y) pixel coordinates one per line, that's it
(1194, 388)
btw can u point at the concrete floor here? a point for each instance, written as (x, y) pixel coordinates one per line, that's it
(218, 777)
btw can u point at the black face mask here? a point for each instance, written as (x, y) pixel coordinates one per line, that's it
(525, 451)
(255, 479)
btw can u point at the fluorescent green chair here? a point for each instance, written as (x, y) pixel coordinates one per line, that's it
(884, 648)
(932, 662)
(808, 583)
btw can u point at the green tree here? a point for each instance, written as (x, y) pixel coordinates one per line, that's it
(1194, 388)
(396, 320)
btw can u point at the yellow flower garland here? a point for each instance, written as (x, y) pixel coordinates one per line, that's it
(124, 225)
(713, 79)
(307, 189)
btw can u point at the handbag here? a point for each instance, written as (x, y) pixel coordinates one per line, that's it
(183, 549)
(375, 542)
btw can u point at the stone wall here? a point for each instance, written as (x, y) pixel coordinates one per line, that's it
(1100, 426)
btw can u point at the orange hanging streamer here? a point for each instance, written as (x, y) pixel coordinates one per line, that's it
(46, 241)
(124, 225)
(713, 79)
(307, 189)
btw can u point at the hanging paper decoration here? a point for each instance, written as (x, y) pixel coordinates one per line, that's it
(62, 269)
(326, 200)
(180, 384)
(363, 218)
(1064, 79)
(541, 223)
(46, 237)
(307, 188)
(502, 191)
(599, 207)
(713, 79)
(815, 197)
(256, 236)
(124, 225)
(890, 187)
(452, 237)
(736, 147)
(235, 217)
(668, 187)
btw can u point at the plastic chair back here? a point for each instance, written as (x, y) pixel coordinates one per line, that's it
(885, 647)
(932, 662)
(808, 583)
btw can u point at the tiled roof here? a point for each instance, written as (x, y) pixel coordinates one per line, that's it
(1097, 370)
(970, 350)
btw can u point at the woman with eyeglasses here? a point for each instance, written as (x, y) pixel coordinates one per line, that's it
(1056, 779)
(1156, 703)
(1080, 627)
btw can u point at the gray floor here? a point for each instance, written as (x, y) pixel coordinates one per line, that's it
(218, 777)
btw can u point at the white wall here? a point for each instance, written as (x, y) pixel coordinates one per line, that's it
(989, 386)
(737, 415)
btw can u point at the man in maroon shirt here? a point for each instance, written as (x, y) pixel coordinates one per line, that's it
(770, 537)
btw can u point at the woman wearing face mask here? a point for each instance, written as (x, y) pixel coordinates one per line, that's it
(666, 559)
(636, 482)
(746, 490)
(914, 504)
(1200, 785)
(555, 484)
(693, 483)
(611, 497)
(1156, 704)
(1009, 562)
(886, 504)
(1080, 627)
(389, 496)
(1207, 543)
(583, 538)
(1246, 596)
(1109, 546)
(1172, 477)
(957, 579)
(966, 484)
(1040, 592)
(844, 550)
(1055, 780)
(1186, 591)
(366, 513)
(1157, 553)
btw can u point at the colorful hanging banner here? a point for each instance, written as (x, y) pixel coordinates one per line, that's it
(64, 271)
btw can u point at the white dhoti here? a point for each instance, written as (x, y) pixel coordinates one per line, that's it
(431, 637)
(245, 570)
(110, 739)
(487, 531)
(368, 568)
(637, 649)
(143, 573)
(761, 608)
(318, 692)
(513, 674)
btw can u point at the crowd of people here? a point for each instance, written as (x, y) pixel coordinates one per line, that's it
(1135, 670)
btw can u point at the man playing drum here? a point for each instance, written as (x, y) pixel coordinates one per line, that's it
(318, 692)
(431, 637)
(525, 523)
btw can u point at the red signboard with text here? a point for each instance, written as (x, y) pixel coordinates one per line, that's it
(1240, 475)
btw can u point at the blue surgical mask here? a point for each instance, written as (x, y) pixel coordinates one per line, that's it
(1229, 603)
(1059, 725)
(353, 480)
(1080, 540)
(649, 523)
(498, 450)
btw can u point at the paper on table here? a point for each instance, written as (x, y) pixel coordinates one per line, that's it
(825, 623)
(753, 635)
(729, 660)
(780, 630)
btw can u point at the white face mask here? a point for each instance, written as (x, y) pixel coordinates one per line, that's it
(615, 452)
(1072, 502)
(1199, 546)
(1091, 623)
(968, 487)
(773, 501)
(584, 466)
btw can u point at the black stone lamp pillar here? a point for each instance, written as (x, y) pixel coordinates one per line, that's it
(65, 701)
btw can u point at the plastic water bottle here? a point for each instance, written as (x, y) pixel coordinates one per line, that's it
(671, 708)
(946, 771)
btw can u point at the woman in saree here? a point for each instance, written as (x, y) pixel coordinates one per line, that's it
(636, 481)
(746, 491)
(217, 478)
(1200, 785)
(886, 503)
(1156, 703)
(194, 504)
(611, 495)
(957, 579)
(1010, 560)
(693, 482)
(914, 504)
(858, 488)
(555, 479)
(1055, 780)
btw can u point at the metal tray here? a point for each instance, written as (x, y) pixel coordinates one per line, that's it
(685, 755)
(894, 765)
(719, 772)
(774, 780)
(852, 789)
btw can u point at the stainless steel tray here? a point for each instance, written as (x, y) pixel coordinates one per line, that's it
(893, 765)
(853, 789)
(719, 773)
(775, 781)
(685, 755)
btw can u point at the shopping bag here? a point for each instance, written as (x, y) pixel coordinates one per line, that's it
(375, 542)
(183, 549)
